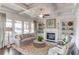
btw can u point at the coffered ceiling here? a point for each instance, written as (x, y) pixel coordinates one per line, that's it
(33, 9)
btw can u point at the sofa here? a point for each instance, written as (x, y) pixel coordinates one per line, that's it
(24, 39)
(62, 49)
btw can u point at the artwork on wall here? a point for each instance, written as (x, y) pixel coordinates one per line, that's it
(51, 23)
(70, 23)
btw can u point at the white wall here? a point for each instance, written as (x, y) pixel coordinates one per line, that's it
(77, 30)
(77, 33)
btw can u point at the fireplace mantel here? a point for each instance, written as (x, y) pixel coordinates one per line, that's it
(52, 31)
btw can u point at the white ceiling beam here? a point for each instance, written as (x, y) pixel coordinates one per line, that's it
(3, 8)
(22, 6)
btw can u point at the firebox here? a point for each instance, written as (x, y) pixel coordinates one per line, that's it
(51, 36)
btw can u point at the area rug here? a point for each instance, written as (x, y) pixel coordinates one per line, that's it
(32, 50)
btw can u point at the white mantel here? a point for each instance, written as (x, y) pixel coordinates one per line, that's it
(51, 31)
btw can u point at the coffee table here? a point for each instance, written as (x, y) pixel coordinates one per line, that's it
(39, 44)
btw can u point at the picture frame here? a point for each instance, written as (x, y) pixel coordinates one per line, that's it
(51, 23)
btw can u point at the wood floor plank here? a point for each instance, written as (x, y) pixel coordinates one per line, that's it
(9, 51)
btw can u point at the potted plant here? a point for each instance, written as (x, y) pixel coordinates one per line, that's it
(64, 41)
(39, 42)
(40, 38)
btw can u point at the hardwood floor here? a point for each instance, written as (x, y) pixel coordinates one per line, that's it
(9, 51)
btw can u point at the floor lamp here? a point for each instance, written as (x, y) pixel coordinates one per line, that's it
(8, 29)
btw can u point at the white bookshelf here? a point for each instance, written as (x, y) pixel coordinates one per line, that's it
(67, 27)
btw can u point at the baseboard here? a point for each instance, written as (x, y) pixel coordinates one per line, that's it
(53, 41)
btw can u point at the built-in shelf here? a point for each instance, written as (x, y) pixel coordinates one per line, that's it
(67, 27)
(40, 27)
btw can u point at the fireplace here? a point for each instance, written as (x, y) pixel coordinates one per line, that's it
(51, 36)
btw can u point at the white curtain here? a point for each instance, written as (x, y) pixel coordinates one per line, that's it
(2, 26)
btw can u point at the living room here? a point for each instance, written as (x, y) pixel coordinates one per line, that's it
(39, 28)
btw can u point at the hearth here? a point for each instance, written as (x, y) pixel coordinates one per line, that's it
(51, 36)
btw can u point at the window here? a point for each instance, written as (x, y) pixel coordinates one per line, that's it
(8, 23)
(26, 27)
(8, 33)
(32, 27)
(18, 27)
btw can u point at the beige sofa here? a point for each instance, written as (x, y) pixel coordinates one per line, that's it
(62, 49)
(24, 39)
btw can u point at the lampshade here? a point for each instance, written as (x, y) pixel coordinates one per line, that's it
(8, 29)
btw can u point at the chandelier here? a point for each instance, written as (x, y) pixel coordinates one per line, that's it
(43, 13)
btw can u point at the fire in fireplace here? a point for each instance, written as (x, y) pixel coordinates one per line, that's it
(51, 36)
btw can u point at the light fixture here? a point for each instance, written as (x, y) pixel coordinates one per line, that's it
(43, 13)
